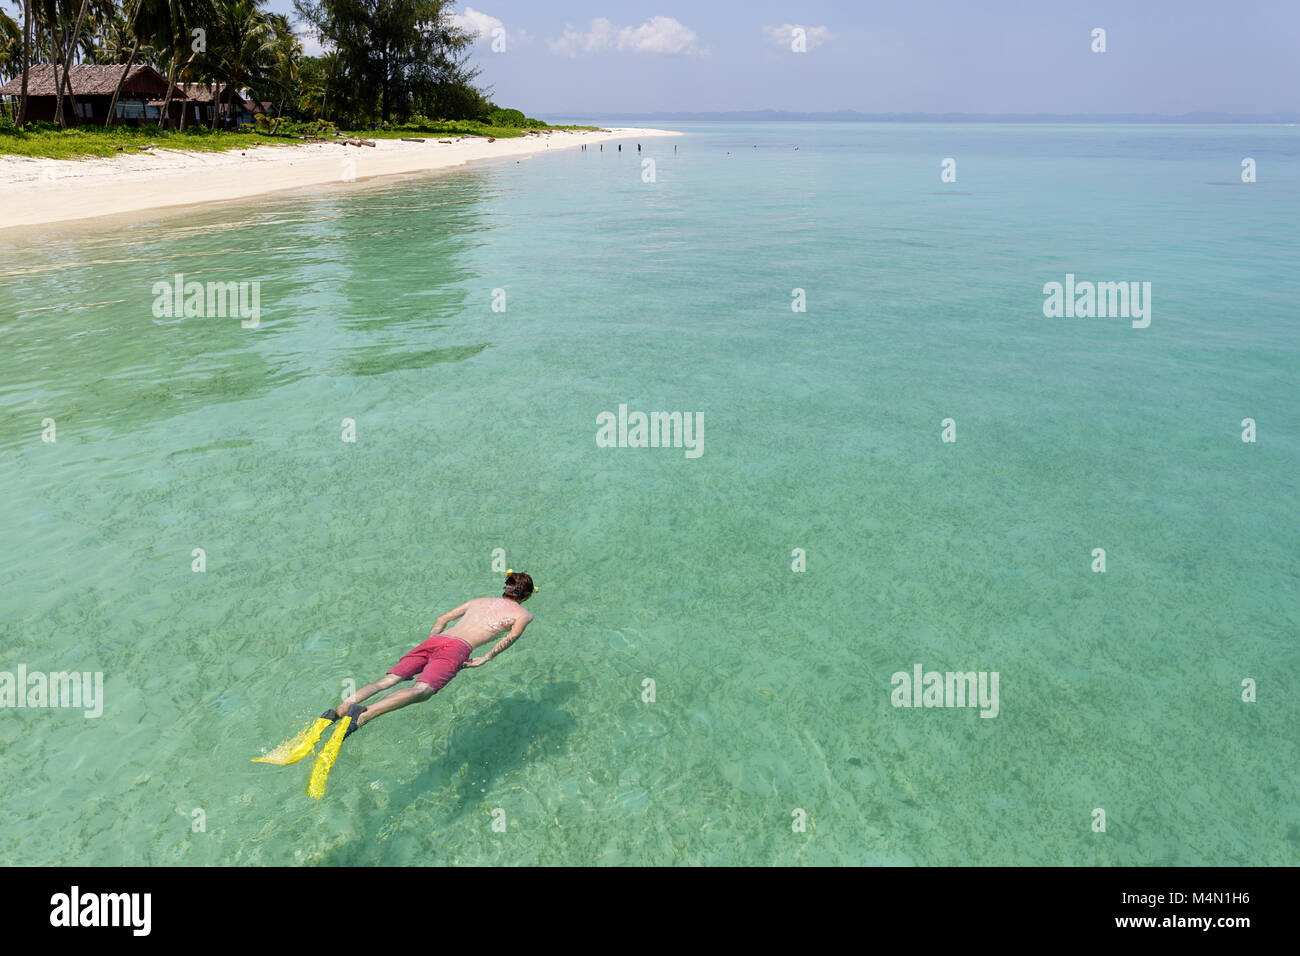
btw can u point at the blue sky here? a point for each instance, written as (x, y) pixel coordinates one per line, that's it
(975, 56)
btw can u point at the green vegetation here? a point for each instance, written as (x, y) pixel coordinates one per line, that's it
(390, 65)
(46, 141)
(493, 126)
(390, 59)
(514, 119)
(446, 128)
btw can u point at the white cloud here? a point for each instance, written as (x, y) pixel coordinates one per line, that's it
(311, 44)
(656, 35)
(485, 28)
(783, 36)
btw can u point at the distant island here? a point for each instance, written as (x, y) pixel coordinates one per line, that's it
(853, 116)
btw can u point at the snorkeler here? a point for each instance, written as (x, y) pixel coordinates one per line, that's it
(433, 664)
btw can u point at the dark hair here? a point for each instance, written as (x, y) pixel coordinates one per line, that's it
(518, 586)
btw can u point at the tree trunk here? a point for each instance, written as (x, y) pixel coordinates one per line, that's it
(56, 47)
(230, 92)
(27, 45)
(121, 82)
(67, 63)
(167, 100)
(230, 110)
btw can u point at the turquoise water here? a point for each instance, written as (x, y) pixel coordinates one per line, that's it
(476, 430)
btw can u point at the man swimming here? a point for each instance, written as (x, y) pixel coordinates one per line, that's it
(441, 657)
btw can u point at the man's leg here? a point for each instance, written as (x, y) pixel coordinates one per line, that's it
(421, 691)
(370, 690)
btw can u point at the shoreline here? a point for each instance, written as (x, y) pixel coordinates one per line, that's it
(47, 192)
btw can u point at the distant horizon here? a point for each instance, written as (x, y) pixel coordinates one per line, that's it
(855, 116)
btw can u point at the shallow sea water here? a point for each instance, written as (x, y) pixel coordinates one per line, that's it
(475, 430)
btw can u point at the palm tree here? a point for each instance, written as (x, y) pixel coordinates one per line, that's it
(124, 27)
(67, 66)
(240, 45)
(103, 40)
(137, 27)
(50, 13)
(11, 46)
(27, 48)
(284, 61)
(317, 80)
(11, 43)
(176, 62)
(167, 25)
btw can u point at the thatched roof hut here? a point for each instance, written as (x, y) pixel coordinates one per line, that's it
(89, 79)
(92, 88)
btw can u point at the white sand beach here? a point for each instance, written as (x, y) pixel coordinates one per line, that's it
(37, 192)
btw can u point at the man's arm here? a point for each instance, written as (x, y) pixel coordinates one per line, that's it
(502, 644)
(444, 619)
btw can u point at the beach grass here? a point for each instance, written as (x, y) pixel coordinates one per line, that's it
(84, 142)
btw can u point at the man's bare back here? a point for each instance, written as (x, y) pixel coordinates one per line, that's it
(482, 619)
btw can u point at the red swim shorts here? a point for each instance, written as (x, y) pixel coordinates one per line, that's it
(437, 661)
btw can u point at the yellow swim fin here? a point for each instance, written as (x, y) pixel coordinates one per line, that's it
(325, 762)
(297, 747)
